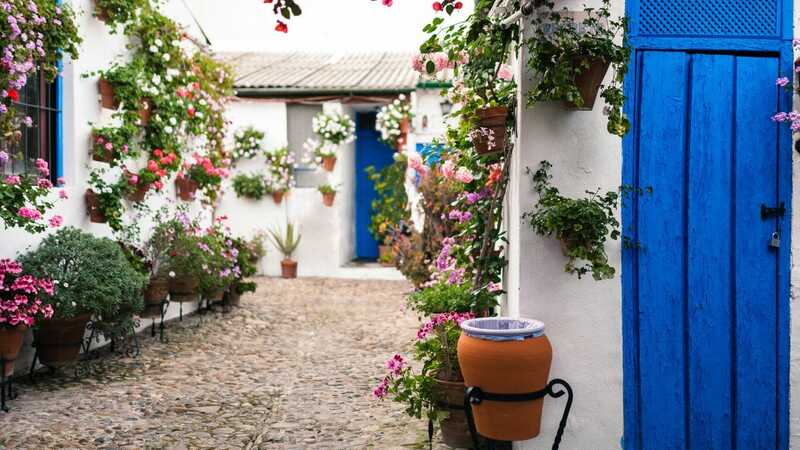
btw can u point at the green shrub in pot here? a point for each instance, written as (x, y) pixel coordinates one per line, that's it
(92, 276)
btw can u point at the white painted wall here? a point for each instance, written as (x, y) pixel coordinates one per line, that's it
(583, 317)
(794, 358)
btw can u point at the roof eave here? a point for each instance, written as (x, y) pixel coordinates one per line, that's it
(258, 92)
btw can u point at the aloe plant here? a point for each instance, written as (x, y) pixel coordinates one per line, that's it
(286, 241)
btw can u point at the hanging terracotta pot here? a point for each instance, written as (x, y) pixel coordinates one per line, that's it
(183, 289)
(405, 126)
(490, 136)
(155, 294)
(288, 269)
(277, 197)
(107, 98)
(145, 110)
(59, 342)
(589, 81)
(455, 429)
(10, 344)
(328, 198)
(100, 13)
(93, 207)
(329, 163)
(386, 255)
(187, 188)
(505, 356)
(99, 152)
(139, 194)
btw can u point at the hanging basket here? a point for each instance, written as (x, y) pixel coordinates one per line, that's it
(328, 198)
(139, 194)
(589, 82)
(59, 342)
(492, 120)
(329, 163)
(505, 356)
(107, 98)
(187, 188)
(10, 345)
(288, 269)
(93, 208)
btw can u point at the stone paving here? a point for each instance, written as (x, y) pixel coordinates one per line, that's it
(293, 368)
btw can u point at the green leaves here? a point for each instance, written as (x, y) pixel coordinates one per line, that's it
(252, 186)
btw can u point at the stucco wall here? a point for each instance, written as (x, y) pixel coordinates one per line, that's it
(794, 376)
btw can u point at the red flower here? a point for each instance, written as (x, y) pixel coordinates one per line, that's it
(152, 166)
(13, 94)
(281, 27)
(158, 153)
(458, 5)
(437, 6)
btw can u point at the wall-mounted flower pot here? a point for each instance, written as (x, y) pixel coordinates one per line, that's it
(493, 121)
(183, 289)
(328, 198)
(58, 342)
(187, 189)
(139, 194)
(100, 13)
(93, 207)
(10, 344)
(277, 197)
(107, 98)
(99, 152)
(505, 356)
(329, 163)
(288, 269)
(455, 429)
(589, 82)
(145, 110)
(154, 295)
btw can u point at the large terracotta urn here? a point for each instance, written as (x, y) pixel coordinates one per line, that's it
(59, 342)
(10, 344)
(505, 356)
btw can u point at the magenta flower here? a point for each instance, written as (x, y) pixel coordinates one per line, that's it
(62, 194)
(56, 221)
(29, 213)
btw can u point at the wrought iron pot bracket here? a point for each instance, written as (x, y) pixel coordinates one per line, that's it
(474, 396)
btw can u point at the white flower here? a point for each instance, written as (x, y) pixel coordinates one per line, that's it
(159, 42)
(153, 49)
(168, 129)
(165, 57)
(171, 274)
(156, 79)
(65, 284)
(173, 121)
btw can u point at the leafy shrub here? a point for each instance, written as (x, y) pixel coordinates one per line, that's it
(390, 207)
(442, 297)
(92, 276)
(249, 186)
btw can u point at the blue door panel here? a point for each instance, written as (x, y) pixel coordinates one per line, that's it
(704, 297)
(369, 152)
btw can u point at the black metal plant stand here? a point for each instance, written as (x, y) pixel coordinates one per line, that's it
(164, 307)
(85, 345)
(7, 389)
(474, 396)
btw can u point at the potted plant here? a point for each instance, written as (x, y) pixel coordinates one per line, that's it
(505, 356)
(120, 85)
(581, 225)
(256, 248)
(104, 199)
(184, 265)
(328, 194)
(24, 300)
(250, 186)
(25, 193)
(116, 12)
(393, 123)
(571, 61)
(334, 128)
(280, 172)
(111, 144)
(220, 263)
(247, 143)
(286, 242)
(323, 153)
(203, 174)
(245, 257)
(93, 280)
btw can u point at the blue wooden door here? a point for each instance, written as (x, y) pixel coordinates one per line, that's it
(706, 297)
(369, 152)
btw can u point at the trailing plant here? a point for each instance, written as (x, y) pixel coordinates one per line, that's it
(280, 170)
(564, 50)
(582, 225)
(286, 240)
(109, 196)
(247, 143)
(245, 255)
(114, 141)
(91, 276)
(442, 297)
(24, 299)
(390, 121)
(117, 12)
(390, 207)
(334, 128)
(250, 186)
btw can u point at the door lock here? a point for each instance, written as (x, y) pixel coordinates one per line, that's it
(777, 211)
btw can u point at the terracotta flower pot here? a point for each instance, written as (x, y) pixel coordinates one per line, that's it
(288, 269)
(386, 255)
(107, 98)
(215, 296)
(93, 207)
(10, 344)
(145, 110)
(139, 194)
(277, 197)
(589, 82)
(328, 198)
(58, 342)
(455, 428)
(183, 289)
(405, 126)
(494, 120)
(100, 153)
(187, 188)
(154, 294)
(329, 163)
(506, 367)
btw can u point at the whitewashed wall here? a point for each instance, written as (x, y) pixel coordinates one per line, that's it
(794, 376)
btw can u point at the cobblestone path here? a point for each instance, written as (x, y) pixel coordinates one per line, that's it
(293, 368)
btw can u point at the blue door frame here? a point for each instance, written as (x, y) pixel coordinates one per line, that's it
(650, 34)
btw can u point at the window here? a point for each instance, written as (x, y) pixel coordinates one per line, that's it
(300, 119)
(37, 100)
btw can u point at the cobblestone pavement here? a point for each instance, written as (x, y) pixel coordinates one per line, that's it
(293, 368)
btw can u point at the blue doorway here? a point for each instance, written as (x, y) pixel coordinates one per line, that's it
(705, 295)
(370, 151)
